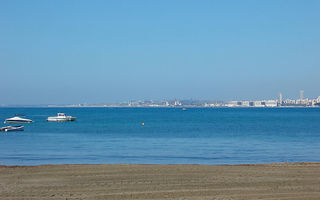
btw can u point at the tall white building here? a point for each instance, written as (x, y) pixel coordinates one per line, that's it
(301, 95)
(280, 98)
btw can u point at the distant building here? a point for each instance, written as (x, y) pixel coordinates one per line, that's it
(301, 95)
(258, 104)
(233, 104)
(271, 103)
(280, 99)
(177, 103)
(246, 103)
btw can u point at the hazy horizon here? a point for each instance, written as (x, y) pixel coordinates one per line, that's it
(74, 52)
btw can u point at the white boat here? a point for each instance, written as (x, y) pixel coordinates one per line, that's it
(61, 117)
(17, 120)
(12, 128)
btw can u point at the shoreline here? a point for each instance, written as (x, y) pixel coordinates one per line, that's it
(128, 164)
(144, 181)
(159, 106)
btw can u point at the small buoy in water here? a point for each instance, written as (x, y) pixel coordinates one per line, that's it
(142, 123)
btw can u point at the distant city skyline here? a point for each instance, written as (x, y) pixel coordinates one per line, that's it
(74, 52)
(271, 102)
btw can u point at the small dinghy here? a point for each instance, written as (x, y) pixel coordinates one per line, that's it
(61, 118)
(17, 120)
(12, 128)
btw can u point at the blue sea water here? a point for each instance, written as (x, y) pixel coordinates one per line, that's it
(170, 136)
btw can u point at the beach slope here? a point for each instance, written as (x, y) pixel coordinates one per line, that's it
(268, 181)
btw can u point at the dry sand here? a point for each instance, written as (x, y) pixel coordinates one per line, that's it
(269, 181)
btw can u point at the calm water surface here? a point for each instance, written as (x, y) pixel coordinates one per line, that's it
(169, 136)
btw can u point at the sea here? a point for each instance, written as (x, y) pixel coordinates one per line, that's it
(208, 136)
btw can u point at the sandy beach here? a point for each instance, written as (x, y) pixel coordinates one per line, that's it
(268, 181)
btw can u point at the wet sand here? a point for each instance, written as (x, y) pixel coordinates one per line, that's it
(268, 181)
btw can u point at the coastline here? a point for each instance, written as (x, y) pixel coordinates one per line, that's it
(134, 181)
(146, 106)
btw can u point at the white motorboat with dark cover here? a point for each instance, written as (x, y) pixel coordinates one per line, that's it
(12, 128)
(17, 120)
(61, 118)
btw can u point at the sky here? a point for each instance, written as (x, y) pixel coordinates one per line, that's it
(70, 52)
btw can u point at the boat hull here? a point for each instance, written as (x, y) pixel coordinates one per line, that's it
(12, 128)
(56, 119)
(17, 121)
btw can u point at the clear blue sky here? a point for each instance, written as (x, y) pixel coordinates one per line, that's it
(56, 52)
